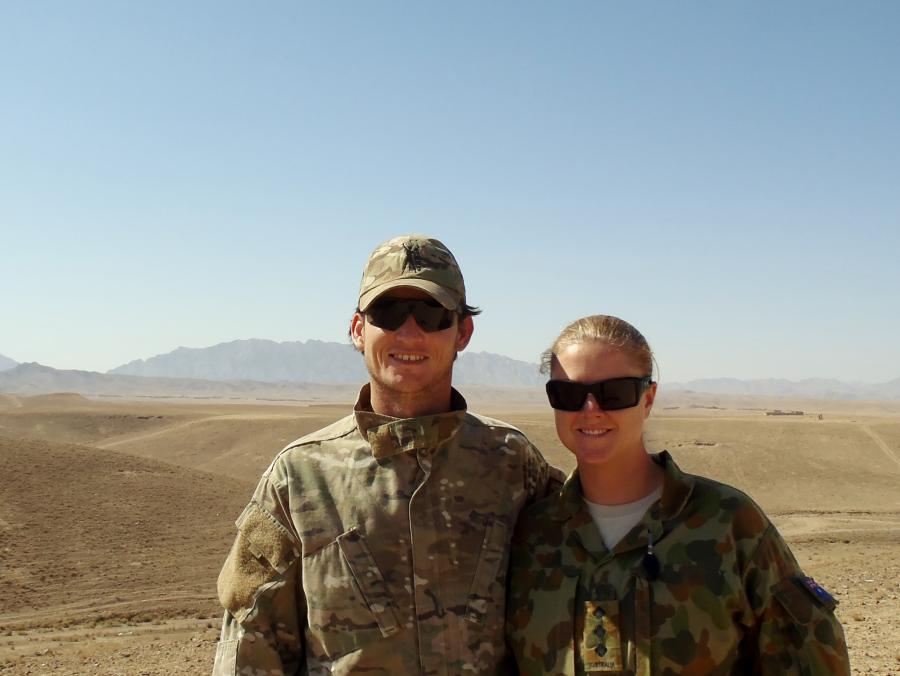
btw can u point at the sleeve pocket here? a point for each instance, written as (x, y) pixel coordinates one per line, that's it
(796, 601)
(488, 585)
(807, 634)
(262, 552)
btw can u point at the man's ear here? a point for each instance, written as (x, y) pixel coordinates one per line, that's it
(464, 331)
(358, 332)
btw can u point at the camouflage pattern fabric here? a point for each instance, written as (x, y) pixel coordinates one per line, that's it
(417, 261)
(726, 595)
(380, 546)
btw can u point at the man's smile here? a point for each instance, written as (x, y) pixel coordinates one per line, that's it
(408, 357)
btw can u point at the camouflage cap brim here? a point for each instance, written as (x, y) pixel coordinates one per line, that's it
(441, 294)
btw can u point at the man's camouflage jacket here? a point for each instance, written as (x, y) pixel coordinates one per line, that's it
(380, 546)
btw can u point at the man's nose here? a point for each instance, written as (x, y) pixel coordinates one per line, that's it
(410, 328)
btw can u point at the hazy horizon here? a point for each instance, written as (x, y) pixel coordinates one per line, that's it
(666, 383)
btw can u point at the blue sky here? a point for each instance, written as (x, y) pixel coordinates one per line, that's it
(722, 175)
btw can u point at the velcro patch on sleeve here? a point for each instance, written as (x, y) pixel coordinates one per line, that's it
(267, 538)
(262, 551)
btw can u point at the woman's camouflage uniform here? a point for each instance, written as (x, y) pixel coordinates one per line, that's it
(380, 546)
(723, 596)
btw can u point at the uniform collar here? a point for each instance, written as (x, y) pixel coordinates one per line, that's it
(677, 488)
(388, 435)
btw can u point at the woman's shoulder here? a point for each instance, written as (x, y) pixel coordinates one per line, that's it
(726, 506)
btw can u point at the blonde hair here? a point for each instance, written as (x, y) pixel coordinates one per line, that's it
(605, 329)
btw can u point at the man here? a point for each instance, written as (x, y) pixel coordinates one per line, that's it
(379, 544)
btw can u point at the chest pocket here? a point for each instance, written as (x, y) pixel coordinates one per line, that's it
(489, 584)
(348, 602)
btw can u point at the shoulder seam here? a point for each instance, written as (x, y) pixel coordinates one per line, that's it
(472, 418)
(311, 438)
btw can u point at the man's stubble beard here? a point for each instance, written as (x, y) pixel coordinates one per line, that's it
(400, 395)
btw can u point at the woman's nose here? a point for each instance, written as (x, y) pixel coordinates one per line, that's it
(591, 404)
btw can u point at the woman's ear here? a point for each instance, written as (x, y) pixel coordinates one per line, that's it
(649, 397)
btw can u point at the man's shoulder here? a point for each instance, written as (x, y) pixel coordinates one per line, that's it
(477, 421)
(542, 523)
(336, 430)
(493, 433)
(497, 435)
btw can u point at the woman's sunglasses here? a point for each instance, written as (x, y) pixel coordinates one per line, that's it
(611, 395)
(391, 313)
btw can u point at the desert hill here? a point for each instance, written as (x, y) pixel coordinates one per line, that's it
(110, 547)
(32, 378)
(90, 535)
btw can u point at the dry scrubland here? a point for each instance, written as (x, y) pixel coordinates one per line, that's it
(115, 516)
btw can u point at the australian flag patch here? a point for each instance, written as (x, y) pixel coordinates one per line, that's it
(818, 592)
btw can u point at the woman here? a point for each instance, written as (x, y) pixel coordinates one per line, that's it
(637, 567)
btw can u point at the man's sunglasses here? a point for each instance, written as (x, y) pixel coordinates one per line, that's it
(611, 395)
(391, 313)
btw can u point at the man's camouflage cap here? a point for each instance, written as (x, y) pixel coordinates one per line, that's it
(416, 261)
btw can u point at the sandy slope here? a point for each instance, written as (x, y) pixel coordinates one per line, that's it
(109, 547)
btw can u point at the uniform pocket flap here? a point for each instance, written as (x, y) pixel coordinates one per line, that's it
(259, 557)
(370, 581)
(267, 539)
(800, 596)
(493, 550)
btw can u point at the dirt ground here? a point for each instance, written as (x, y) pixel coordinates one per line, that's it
(115, 516)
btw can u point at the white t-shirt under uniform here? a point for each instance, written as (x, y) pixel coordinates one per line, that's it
(614, 521)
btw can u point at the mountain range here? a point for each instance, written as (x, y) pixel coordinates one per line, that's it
(313, 361)
(815, 388)
(6, 363)
(258, 368)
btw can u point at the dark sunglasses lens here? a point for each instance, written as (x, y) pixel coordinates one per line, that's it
(432, 316)
(611, 395)
(390, 314)
(619, 393)
(565, 395)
